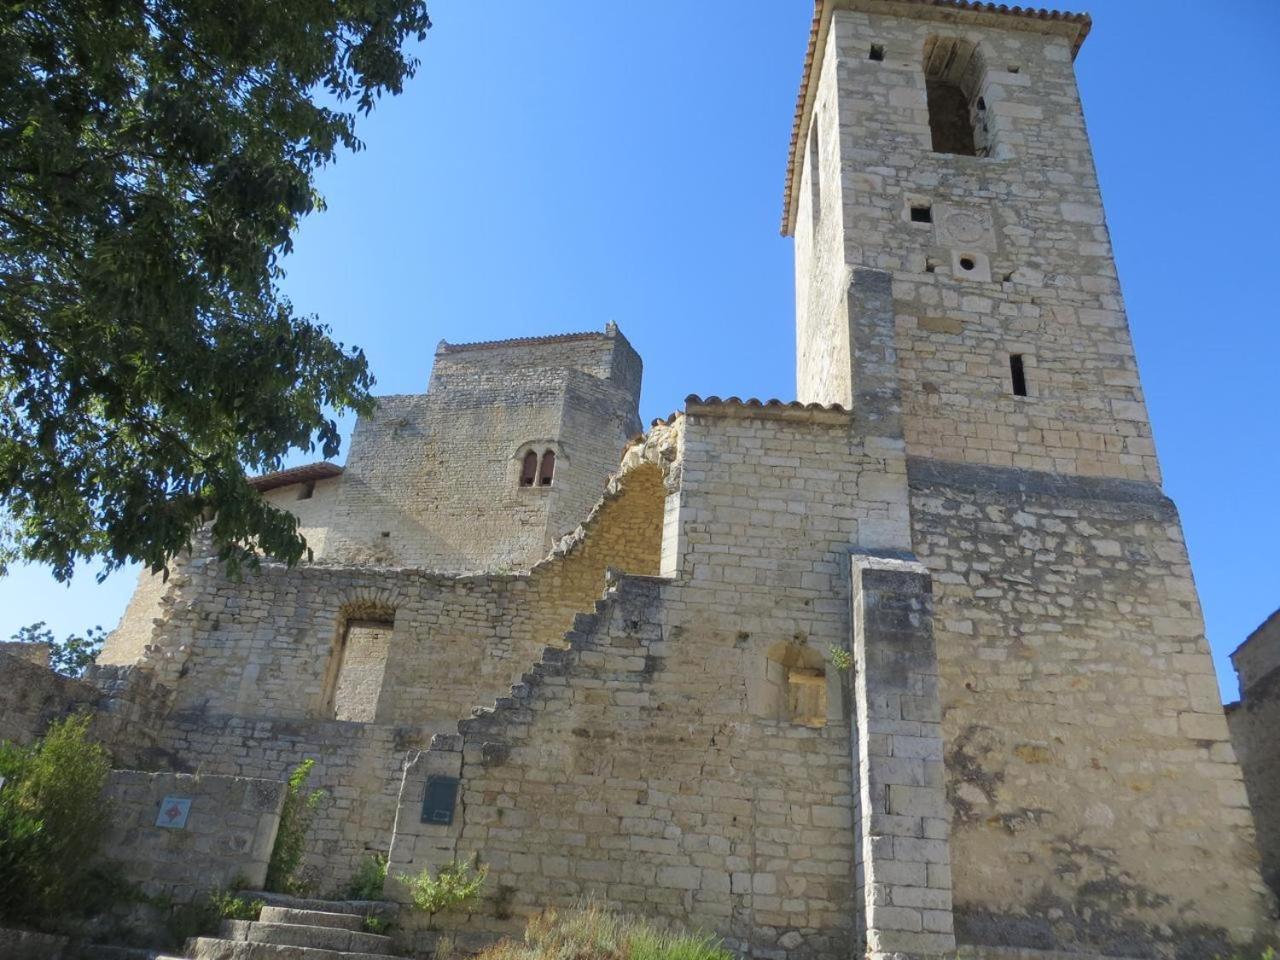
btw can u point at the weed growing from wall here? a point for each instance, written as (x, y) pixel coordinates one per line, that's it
(299, 811)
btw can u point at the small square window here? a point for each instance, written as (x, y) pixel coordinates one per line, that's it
(921, 213)
(877, 53)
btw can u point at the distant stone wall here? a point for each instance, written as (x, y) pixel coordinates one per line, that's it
(127, 643)
(1255, 733)
(230, 827)
(32, 695)
(1095, 798)
(432, 480)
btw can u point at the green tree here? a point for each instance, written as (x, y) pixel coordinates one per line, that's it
(70, 657)
(155, 157)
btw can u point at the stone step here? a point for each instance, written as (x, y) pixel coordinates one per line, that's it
(211, 948)
(110, 951)
(311, 918)
(295, 935)
(361, 908)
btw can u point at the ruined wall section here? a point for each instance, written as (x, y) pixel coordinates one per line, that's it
(1029, 220)
(253, 663)
(264, 646)
(1095, 798)
(1255, 734)
(652, 764)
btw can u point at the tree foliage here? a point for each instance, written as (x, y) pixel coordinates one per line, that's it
(155, 157)
(52, 822)
(71, 656)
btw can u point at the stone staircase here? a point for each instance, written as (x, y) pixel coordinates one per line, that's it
(301, 930)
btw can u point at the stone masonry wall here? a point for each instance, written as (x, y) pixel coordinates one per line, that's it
(1029, 217)
(432, 480)
(1255, 733)
(649, 764)
(1096, 803)
(358, 766)
(227, 838)
(252, 662)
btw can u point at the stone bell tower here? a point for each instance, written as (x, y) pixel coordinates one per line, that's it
(956, 289)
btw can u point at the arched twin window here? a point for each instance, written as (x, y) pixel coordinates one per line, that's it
(538, 471)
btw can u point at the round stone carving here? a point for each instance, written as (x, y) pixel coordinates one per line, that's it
(964, 227)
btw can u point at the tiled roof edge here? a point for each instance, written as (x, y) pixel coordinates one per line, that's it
(815, 29)
(610, 332)
(304, 474)
(766, 409)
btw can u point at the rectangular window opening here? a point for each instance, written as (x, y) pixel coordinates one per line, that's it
(877, 53)
(922, 214)
(308, 490)
(1018, 374)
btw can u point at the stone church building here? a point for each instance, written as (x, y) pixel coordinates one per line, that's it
(913, 666)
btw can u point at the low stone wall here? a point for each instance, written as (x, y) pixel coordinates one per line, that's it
(358, 765)
(181, 835)
(29, 945)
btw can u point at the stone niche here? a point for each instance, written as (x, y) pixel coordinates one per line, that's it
(792, 686)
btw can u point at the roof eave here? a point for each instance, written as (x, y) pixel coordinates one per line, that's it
(1074, 25)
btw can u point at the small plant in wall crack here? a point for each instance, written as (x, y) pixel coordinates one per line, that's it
(841, 658)
(454, 884)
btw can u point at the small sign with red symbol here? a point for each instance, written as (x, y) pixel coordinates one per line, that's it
(173, 812)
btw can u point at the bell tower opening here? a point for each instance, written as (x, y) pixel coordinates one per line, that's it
(954, 71)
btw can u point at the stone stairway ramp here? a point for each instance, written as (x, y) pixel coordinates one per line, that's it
(292, 929)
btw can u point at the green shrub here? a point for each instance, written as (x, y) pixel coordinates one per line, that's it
(52, 818)
(232, 906)
(379, 925)
(592, 932)
(454, 884)
(370, 878)
(299, 811)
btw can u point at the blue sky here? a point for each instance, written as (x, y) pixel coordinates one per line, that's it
(557, 165)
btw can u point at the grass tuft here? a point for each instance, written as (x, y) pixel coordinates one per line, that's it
(593, 932)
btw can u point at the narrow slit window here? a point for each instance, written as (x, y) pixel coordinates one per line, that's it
(1018, 375)
(548, 470)
(529, 469)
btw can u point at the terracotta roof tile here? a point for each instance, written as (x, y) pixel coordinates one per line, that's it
(304, 474)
